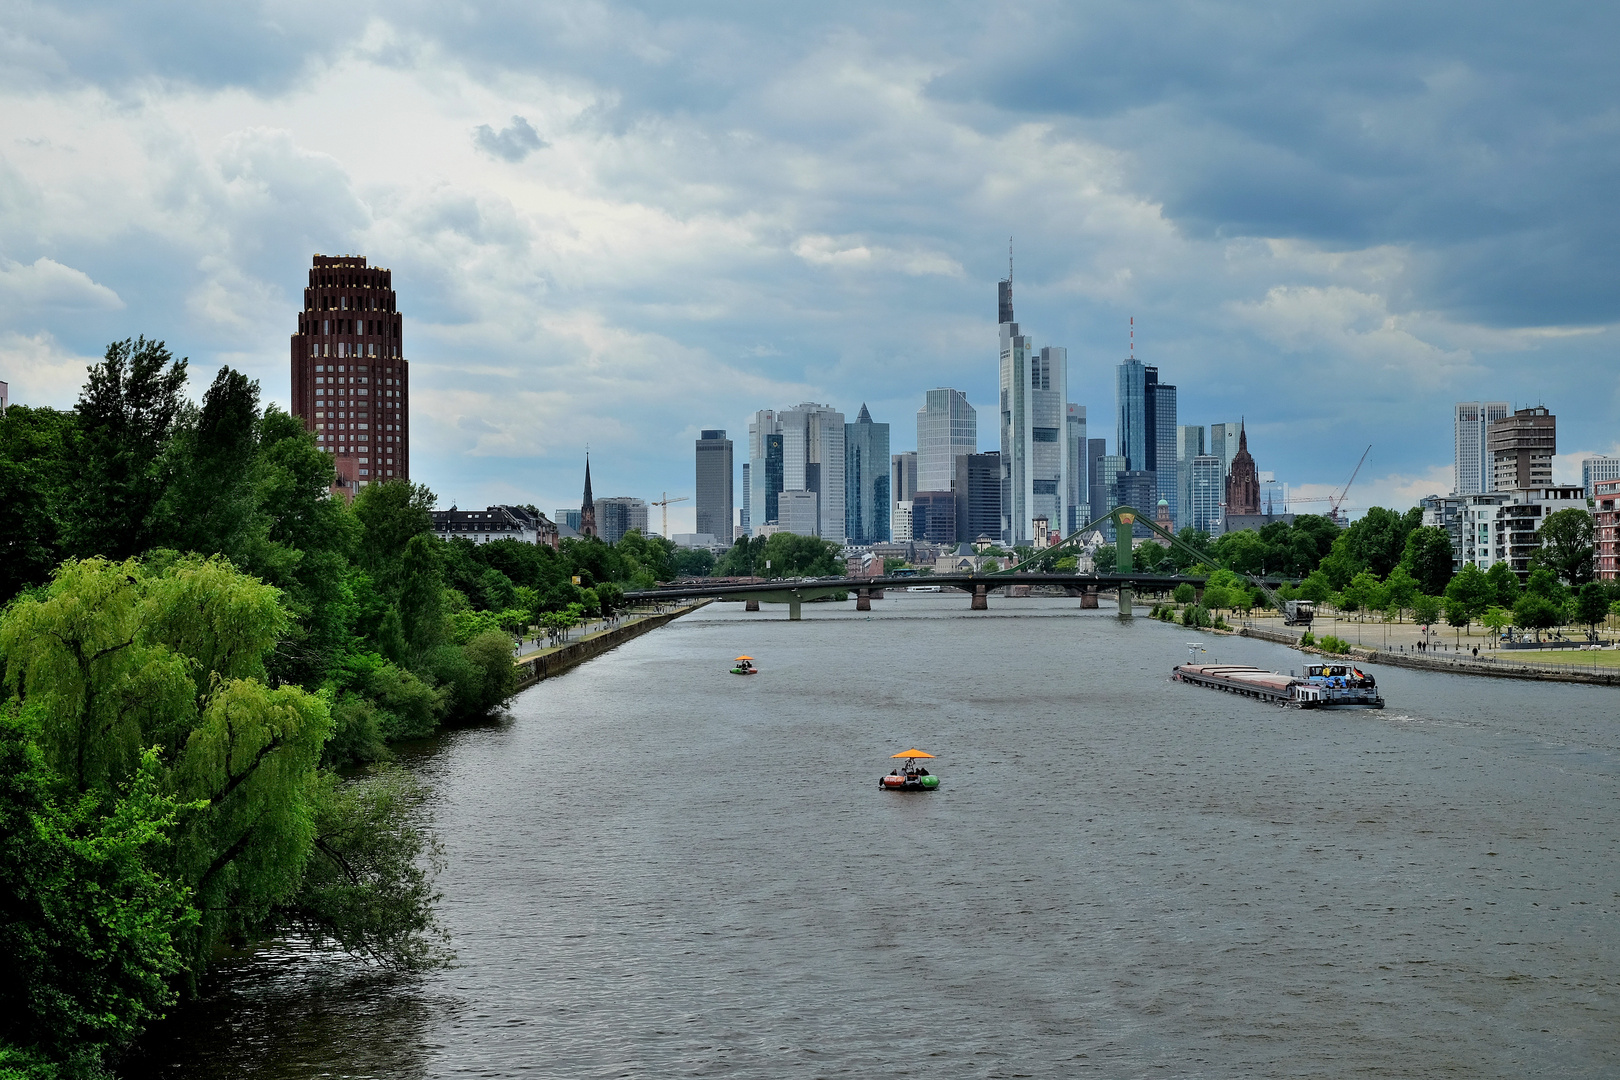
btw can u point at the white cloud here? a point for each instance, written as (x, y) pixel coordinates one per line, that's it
(27, 292)
(39, 371)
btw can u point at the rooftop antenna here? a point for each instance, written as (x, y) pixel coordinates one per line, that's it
(1133, 337)
(1009, 260)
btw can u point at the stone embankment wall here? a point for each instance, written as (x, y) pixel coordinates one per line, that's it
(1457, 666)
(531, 669)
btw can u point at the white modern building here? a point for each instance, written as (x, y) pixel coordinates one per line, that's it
(1206, 493)
(1034, 400)
(813, 461)
(618, 514)
(1223, 443)
(1593, 469)
(947, 428)
(901, 522)
(1471, 469)
(799, 513)
(495, 523)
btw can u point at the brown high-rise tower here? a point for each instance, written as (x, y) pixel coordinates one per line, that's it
(350, 381)
(1243, 482)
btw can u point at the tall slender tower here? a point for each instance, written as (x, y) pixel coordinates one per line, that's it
(350, 379)
(587, 505)
(1034, 401)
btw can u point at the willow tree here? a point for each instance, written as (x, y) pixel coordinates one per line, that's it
(113, 661)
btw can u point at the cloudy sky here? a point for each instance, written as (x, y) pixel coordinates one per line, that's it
(618, 224)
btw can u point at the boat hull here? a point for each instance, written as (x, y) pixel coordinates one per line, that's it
(920, 784)
(1278, 689)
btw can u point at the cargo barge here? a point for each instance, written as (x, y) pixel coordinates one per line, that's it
(1323, 686)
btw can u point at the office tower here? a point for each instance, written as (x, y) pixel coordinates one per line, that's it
(1131, 433)
(1034, 401)
(1110, 467)
(714, 484)
(1471, 467)
(1243, 481)
(799, 512)
(1162, 451)
(350, 380)
(1206, 492)
(933, 517)
(1223, 443)
(1138, 488)
(1273, 494)
(1189, 445)
(1096, 487)
(866, 480)
(567, 517)
(1597, 469)
(619, 514)
(1074, 434)
(764, 468)
(947, 428)
(813, 460)
(1521, 447)
(747, 526)
(978, 496)
(901, 525)
(903, 477)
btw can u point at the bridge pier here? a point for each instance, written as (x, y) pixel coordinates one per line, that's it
(793, 609)
(1125, 599)
(751, 605)
(981, 598)
(877, 594)
(1088, 597)
(863, 600)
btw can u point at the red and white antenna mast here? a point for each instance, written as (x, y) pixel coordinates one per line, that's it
(1133, 337)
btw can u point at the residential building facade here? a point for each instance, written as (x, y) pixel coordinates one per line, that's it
(1596, 469)
(866, 480)
(350, 378)
(714, 489)
(1522, 445)
(495, 523)
(1606, 529)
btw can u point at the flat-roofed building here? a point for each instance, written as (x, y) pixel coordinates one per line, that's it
(1606, 529)
(495, 523)
(1522, 446)
(714, 483)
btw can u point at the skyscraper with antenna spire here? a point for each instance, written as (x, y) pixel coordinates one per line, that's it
(1034, 398)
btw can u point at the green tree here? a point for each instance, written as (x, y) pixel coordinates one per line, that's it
(1544, 583)
(126, 416)
(1468, 595)
(1316, 587)
(1426, 609)
(1496, 619)
(1566, 546)
(1185, 593)
(1105, 560)
(1535, 612)
(1401, 588)
(33, 468)
(798, 556)
(1505, 586)
(1427, 557)
(1591, 605)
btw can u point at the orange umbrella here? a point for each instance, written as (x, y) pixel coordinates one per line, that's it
(912, 754)
(745, 658)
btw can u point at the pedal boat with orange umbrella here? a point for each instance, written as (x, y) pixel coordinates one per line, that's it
(744, 666)
(912, 776)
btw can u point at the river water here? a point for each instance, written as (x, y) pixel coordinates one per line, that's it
(660, 869)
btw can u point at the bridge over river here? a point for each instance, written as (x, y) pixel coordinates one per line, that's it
(1125, 580)
(794, 592)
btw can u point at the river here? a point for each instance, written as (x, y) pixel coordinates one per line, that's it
(656, 868)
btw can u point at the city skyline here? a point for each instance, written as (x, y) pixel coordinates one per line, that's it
(810, 205)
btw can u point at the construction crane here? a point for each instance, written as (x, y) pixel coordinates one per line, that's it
(1336, 501)
(664, 502)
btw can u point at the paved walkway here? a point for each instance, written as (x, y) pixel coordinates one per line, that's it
(1444, 642)
(577, 634)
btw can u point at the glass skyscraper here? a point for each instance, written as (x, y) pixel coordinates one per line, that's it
(764, 469)
(866, 480)
(813, 460)
(1471, 468)
(1034, 402)
(714, 485)
(1075, 445)
(947, 428)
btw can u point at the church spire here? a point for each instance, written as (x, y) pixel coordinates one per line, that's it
(587, 505)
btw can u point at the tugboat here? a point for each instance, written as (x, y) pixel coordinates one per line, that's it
(911, 776)
(745, 666)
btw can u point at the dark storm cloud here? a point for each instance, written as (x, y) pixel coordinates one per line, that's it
(512, 143)
(1483, 135)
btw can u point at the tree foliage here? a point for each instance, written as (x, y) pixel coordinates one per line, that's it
(1566, 546)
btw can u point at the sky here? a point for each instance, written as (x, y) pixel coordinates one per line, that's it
(616, 224)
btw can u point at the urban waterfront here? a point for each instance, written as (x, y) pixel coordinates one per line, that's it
(656, 868)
